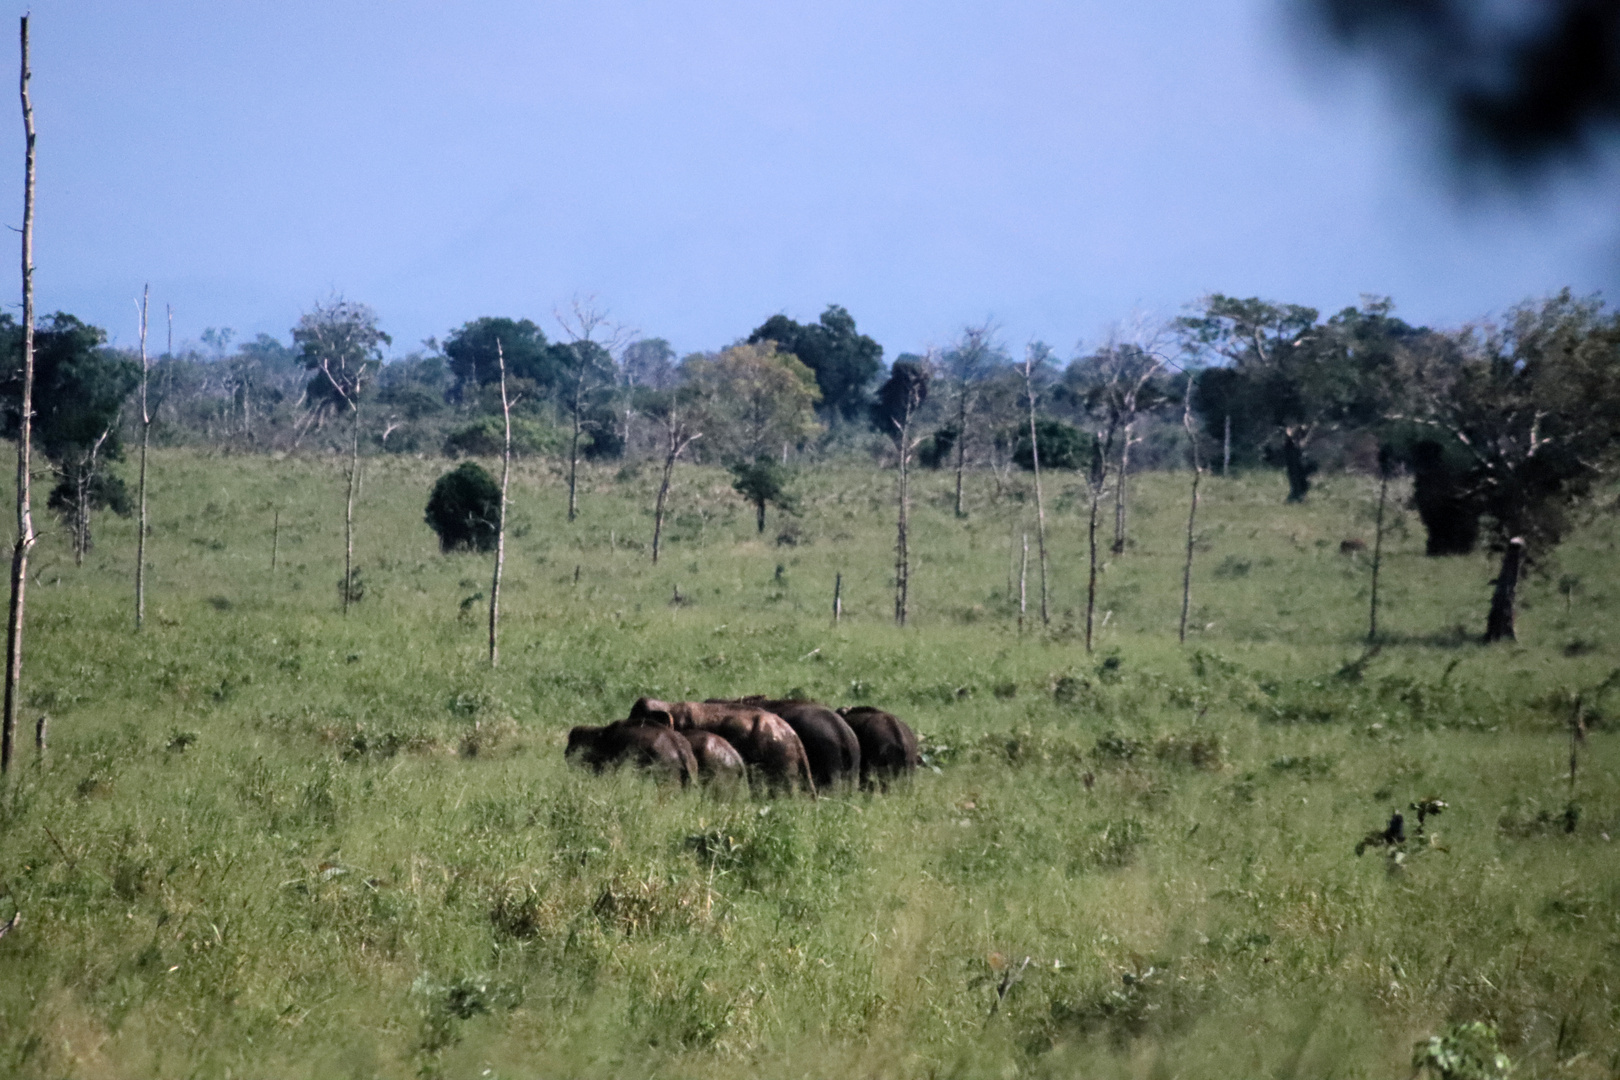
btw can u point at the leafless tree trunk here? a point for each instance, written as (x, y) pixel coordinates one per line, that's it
(1226, 448)
(1023, 576)
(1119, 490)
(961, 443)
(353, 403)
(1499, 625)
(676, 443)
(1192, 510)
(1035, 460)
(1096, 482)
(348, 514)
(902, 551)
(500, 525)
(275, 538)
(573, 445)
(581, 322)
(83, 482)
(146, 439)
(25, 519)
(838, 597)
(1378, 547)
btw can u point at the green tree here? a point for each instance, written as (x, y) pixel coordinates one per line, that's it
(531, 361)
(80, 389)
(764, 399)
(844, 360)
(763, 481)
(1535, 406)
(1062, 446)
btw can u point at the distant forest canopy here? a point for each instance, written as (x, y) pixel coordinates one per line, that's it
(1274, 385)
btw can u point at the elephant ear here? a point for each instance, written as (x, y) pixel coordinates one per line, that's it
(652, 710)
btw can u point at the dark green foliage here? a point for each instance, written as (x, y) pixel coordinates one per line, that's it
(1440, 492)
(603, 422)
(763, 481)
(465, 509)
(1063, 446)
(79, 387)
(935, 451)
(471, 351)
(900, 396)
(845, 362)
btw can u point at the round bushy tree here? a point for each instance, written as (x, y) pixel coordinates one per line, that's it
(1063, 446)
(465, 509)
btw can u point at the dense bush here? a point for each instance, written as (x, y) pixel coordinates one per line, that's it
(465, 509)
(1063, 446)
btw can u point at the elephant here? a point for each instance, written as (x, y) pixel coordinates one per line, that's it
(649, 747)
(764, 739)
(716, 758)
(888, 746)
(830, 745)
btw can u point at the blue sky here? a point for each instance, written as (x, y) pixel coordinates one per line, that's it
(698, 166)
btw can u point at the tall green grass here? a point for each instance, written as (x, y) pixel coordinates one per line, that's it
(268, 840)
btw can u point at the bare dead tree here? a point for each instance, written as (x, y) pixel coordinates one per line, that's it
(1192, 509)
(967, 362)
(26, 537)
(1034, 358)
(678, 419)
(1023, 577)
(582, 322)
(353, 402)
(1384, 468)
(900, 399)
(1095, 482)
(1120, 384)
(83, 478)
(500, 523)
(146, 440)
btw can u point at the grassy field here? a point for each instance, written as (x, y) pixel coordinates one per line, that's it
(271, 841)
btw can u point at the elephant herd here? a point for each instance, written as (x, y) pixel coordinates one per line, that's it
(786, 744)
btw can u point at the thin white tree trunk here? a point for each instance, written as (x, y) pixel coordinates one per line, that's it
(500, 525)
(25, 519)
(1040, 506)
(1378, 552)
(961, 445)
(902, 559)
(348, 512)
(146, 438)
(663, 493)
(1192, 512)
(1023, 576)
(1119, 491)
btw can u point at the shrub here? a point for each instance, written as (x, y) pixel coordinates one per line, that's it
(487, 438)
(1063, 446)
(465, 509)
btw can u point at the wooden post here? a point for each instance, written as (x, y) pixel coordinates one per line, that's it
(25, 420)
(838, 597)
(146, 438)
(500, 525)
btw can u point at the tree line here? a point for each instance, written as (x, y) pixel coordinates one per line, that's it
(1505, 426)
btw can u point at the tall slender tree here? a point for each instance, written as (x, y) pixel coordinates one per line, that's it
(25, 519)
(146, 441)
(500, 523)
(341, 345)
(591, 371)
(1035, 357)
(1192, 508)
(899, 401)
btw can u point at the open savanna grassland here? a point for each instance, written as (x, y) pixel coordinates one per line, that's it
(270, 841)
